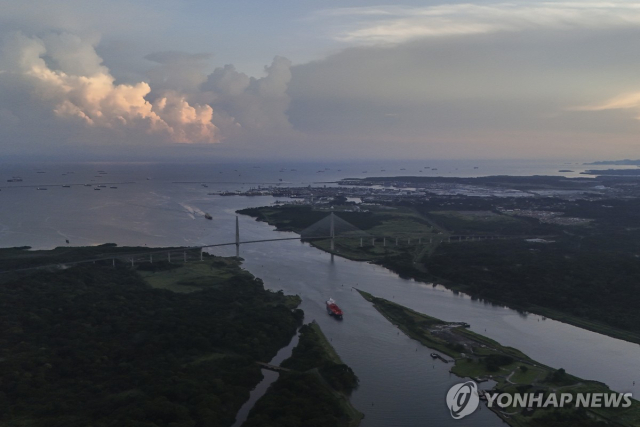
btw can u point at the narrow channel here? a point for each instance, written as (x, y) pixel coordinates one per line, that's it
(269, 378)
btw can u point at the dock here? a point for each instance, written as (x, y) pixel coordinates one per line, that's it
(437, 356)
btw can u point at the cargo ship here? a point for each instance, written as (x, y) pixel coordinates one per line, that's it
(333, 309)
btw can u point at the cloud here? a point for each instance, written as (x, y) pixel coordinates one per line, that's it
(624, 101)
(55, 87)
(395, 24)
(62, 73)
(506, 92)
(253, 104)
(178, 71)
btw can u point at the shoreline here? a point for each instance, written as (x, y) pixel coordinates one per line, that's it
(427, 278)
(469, 350)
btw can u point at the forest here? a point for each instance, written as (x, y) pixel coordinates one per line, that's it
(586, 275)
(96, 345)
(314, 393)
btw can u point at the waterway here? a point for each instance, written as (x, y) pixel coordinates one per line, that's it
(269, 378)
(400, 384)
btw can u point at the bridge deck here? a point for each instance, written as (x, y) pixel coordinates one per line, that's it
(273, 367)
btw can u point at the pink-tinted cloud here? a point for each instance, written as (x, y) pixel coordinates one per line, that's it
(65, 73)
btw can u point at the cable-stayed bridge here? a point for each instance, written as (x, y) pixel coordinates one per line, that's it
(332, 228)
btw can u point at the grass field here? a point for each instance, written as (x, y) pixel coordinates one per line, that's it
(194, 276)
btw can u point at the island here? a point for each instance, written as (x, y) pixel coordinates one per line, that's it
(615, 162)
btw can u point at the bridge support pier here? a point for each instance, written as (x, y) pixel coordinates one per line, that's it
(237, 238)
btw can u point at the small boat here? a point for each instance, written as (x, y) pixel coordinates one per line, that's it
(66, 186)
(96, 189)
(437, 356)
(113, 187)
(333, 309)
(41, 188)
(206, 215)
(87, 185)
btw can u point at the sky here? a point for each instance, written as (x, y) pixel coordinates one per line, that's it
(206, 80)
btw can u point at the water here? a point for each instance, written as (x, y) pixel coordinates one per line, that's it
(400, 384)
(269, 378)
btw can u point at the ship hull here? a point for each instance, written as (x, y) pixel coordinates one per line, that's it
(334, 310)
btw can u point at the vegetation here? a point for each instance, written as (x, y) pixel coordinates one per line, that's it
(584, 275)
(96, 345)
(22, 257)
(481, 358)
(586, 282)
(297, 218)
(314, 352)
(314, 393)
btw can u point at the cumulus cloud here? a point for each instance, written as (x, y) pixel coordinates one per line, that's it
(179, 71)
(254, 104)
(394, 24)
(64, 74)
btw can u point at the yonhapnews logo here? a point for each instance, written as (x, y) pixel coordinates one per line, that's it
(463, 399)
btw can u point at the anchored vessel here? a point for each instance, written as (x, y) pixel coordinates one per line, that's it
(333, 309)
(206, 215)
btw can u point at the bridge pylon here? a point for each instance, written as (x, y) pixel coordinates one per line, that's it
(237, 238)
(332, 231)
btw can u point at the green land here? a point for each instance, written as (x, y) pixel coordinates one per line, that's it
(159, 345)
(314, 392)
(480, 358)
(572, 260)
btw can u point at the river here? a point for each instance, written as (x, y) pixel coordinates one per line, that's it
(400, 385)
